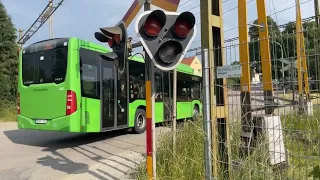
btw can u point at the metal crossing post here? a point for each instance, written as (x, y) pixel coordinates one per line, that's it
(206, 115)
(212, 39)
(317, 41)
(150, 100)
(265, 55)
(303, 79)
(245, 96)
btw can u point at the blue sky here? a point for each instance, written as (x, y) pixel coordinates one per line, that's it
(81, 18)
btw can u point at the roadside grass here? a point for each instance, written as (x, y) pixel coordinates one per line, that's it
(8, 111)
(302, 141)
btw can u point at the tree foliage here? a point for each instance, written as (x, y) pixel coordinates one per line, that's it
(283, 43)
(8, 56)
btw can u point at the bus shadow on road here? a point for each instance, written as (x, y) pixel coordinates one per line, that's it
(59, 140)
(53, 142)
(64, 164)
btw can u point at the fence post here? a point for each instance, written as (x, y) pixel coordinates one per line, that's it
(206, 114)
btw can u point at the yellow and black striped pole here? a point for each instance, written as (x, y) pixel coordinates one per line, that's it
(149, 128)
(150, 124)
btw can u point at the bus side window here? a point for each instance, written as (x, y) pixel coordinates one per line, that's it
(90, 74)
(182, 90)
(195, 90)
(136, 80)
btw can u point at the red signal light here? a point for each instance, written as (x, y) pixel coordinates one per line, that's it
(152, 26)
(182, 28)
(110, 42)
(154, 23)
(117, 38)
(184, 24)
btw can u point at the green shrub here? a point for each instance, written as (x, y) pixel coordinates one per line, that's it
(8, 111)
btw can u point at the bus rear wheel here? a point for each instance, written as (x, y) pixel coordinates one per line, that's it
(140, 121)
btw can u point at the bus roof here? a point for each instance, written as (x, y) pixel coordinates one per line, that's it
(183, 68)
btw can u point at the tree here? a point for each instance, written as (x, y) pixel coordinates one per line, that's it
(287, 40)
(8, 56)
(254, 46)
(310, 35)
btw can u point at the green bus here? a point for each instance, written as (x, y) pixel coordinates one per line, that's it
(64, 85)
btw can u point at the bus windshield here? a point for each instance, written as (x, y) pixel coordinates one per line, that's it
(48, 66)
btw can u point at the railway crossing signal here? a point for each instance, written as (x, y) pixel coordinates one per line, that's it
(166, 36)
(116, 37)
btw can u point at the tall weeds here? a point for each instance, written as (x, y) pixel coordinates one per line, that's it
(301, 137)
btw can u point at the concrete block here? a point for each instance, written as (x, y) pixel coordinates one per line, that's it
(270, 127)
(306, 108)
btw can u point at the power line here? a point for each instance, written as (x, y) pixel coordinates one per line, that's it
(117, 11)
(184, 3)
(37, 24)
(235, 7)
(278, 12)
(236, 38)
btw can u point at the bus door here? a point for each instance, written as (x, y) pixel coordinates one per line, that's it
(122, 99)
(108, 94)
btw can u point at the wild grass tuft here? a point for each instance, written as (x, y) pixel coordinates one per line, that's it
(302, 141)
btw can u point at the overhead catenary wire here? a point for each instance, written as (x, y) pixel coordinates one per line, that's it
(272, 14)
(119, 10)
(236, 38)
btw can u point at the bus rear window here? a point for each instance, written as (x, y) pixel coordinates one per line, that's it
(47, 66)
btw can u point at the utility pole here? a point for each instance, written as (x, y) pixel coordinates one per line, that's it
(51, 33)
(150, 101)
(38, 23)
(19, 37)
(212, 39)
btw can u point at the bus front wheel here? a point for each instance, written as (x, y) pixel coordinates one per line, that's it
(195, 113)
(140, 121)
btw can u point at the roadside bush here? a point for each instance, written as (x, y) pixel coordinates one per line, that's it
(8, 111)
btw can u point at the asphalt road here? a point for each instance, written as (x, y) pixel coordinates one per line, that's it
(53, 155)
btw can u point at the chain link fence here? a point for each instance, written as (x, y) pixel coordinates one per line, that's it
(247, 141)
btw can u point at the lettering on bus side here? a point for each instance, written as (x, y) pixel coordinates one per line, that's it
(40, 90)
